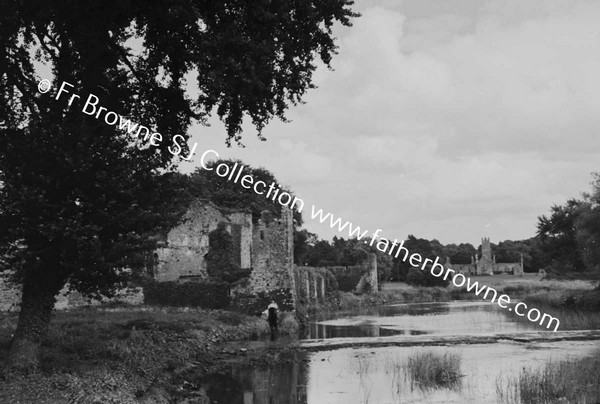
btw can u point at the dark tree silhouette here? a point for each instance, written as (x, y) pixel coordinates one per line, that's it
(80, 199)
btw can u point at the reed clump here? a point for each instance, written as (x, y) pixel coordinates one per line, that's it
(432, 370)
(566, 381)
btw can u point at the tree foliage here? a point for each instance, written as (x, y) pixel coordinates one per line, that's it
(82, 199)
(558, 232)
(228, 194)
(570, 235)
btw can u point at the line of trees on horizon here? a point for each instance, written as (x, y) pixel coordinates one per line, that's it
(567, 243)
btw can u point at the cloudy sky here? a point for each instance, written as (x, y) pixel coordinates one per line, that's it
(446, 119)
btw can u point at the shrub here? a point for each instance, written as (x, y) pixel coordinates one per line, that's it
(364, 285)
(347, 277)
(257, 303)
(288, 324)
(205, 295)
(415, 277)
(418, 277)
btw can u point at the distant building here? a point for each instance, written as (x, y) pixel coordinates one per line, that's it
(487, 265)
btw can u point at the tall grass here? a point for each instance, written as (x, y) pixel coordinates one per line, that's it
(566, 381)
(432, 370)
(520, 288)
(409, 294)
(576, 310)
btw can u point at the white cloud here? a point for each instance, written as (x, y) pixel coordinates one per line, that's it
(440, 124)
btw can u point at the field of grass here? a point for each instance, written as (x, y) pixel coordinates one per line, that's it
(574, 302)
(567, 381)
(576, 309)
(406, 294)
(399, 292)
(519, 287)
(124, 354)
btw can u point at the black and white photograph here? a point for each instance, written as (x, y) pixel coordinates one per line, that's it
(300, 202)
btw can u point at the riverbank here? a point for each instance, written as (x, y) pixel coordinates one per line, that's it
(346, 301)
(518, 288)
(576, 309)
(132, 355)
(157, 355)
(568, 380)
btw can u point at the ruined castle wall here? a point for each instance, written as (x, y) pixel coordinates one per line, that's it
(514, 268)
(350, 277)
(518, 270)
(465, 269)
(272, 253)
(371, 266)
(485, 266)
(313, 284)
(10, 297)
(188, 243)
(244, 220)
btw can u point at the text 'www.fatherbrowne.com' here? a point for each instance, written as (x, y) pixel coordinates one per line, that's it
(92, 107)
(394, 248)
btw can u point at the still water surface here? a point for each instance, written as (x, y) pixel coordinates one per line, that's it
(372, 375)
(452, 318)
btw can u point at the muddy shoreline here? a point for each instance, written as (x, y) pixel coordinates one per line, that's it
(436, 340)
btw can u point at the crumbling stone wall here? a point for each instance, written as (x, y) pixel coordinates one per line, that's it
(314, 284)
(273, 253)
(514, 268)
(486, 265)
(10, 297)
(183, 253)
(371, 272)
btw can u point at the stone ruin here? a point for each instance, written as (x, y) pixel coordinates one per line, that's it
(487, 265)
(10, 297)
(264, 246)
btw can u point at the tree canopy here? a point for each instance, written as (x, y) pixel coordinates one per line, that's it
(570, 235)
(227, 194)
(80, 199)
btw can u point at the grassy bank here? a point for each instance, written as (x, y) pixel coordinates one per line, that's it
(409, 294)
(345, 301)
(124, 355)
(567, 381)
(576, 309)
(519, 287)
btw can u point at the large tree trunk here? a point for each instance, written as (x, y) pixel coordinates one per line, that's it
(37, 304)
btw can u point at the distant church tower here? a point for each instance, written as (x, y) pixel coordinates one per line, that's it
(486, 264)
(486, 248)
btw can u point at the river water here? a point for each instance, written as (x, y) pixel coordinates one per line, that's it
(379, 375)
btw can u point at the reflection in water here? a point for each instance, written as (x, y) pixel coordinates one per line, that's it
(378, 375)
(319, 330)
(452, 318)
(381, 375)
(283, 382)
